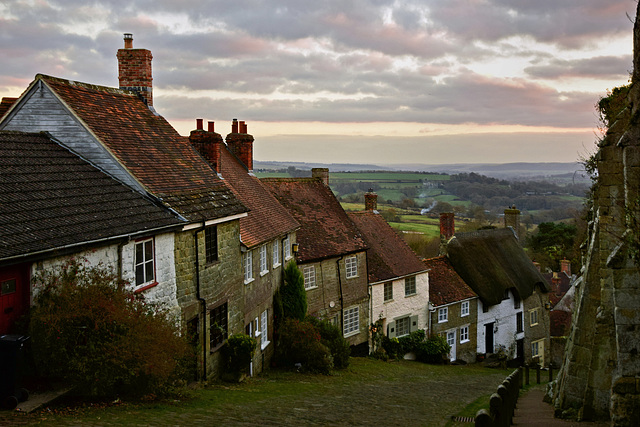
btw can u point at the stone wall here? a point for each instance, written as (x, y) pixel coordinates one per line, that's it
(600, 376)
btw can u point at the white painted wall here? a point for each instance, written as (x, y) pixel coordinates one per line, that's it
(401, 306)
(504, 316)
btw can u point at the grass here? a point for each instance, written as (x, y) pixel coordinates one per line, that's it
(369, 392)
(427, 230)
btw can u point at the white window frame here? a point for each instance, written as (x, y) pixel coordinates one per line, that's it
(451, 337)
(144, 262)
(247, 263)
(276, 254)
(464, 309)
(400, 323)
(387, 285)
(410, 288)
(264, 329)
(464, 334)
(443, 314)
(533, 317)
(309, 273)
(287, 248)
(351, 267)
(351, 321)
(535, 349)
(264, 265)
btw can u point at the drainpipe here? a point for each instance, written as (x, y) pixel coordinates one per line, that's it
(203, 303)
(341, 298)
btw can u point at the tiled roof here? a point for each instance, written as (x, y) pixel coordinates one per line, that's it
(267, 218)
(491, 262)
(5, 104)
(50, 198)
(445, 286)
(389, 256)
(326, 230)
(149, 148)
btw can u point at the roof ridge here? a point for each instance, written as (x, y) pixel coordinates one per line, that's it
(84, 85)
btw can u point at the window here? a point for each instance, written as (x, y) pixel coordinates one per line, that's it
(287, 247)
(464, 334)
(8, 287)
(211, 243)
(403, 326)
(519, 322)
(351, 321)
(218, 326)
(264, 268)
(533, 317)
(264, 337)
(145, 270)
(451, 338)
(410, 286)
(516, 302)
(485, 308)
(506, 295)
(443, 314)
(464, 309)
(247, 261)
(309, 277)
(276, 254)
(388, 291)
(351, 267)
(535, 349)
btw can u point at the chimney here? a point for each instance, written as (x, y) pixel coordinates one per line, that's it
(134, 70)
(207, 143)
(370, 201)
(322, 173)
(555, 284)
(512, 219)
(447, 225)
(565, 267)
(240, 143)
(537, 265)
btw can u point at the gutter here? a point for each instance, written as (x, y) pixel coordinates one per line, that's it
(341, 297)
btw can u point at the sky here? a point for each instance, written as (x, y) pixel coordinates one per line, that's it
(335, 81)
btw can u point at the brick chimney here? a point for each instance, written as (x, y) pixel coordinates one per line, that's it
(447, 225)
(134, 70)
(512, 219)
(322, 173)
(565, 267)
(370, 201)
(208, 143)
(240, 143)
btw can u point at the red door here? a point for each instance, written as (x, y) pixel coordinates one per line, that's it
(13, 298)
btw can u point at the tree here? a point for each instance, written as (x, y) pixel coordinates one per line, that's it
(551, 243)
(293, 294)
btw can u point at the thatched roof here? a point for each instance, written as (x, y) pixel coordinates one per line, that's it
(492, 261)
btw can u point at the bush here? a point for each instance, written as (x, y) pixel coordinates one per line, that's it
(238, 352)
(434, 350)
(392, 347)
(293, 294)
(331, 336)
(300, 342)
(411, 342)
(89, 329)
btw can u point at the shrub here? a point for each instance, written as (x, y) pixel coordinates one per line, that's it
(433, 350)
(293, 294)
(412, 341)
(392, 347)
(100, 336)
(331, 336)
(300, 342)
(238, 352)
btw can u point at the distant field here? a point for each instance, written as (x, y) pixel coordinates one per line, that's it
(428, 230)
(385, 176)
(272, 175)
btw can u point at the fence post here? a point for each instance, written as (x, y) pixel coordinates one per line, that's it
(495, 405)
(526, 374)
(483, 419)
(537, 374)
(520, 377)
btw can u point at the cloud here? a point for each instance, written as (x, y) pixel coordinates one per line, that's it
(610, 67)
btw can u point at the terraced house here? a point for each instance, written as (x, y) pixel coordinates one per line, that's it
(331, 255)
(119, 132)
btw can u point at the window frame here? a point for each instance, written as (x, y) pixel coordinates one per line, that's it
(287, 247)
(351, 321)
(309, 273)
(264, 329)
(410, 288)
(464, 309)
(400, 322)
(443, 314)
(247, 264)
(519, 322)
(533, 317)
(219, 312)
(387, 296)
(275, 256)
(211, 244)
(144, 263)
(351, 267)
(263, 257)
(535, 345)
(464, 334)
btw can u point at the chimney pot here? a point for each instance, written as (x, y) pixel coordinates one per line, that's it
(370, 200)
(128, 41)
(211, 127)
(322, 173)
(234, 126)
(199, 124)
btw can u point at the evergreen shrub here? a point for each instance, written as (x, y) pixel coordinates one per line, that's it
(300, 343)
(331, 336)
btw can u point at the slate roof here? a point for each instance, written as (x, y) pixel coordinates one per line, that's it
(326, 230)
(149, 148)
(267, 218)
(492, 261)
(50, 198)
(445, 285)
(389, 256)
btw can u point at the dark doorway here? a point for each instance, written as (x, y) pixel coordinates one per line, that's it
(520, 351)
(488, 337)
